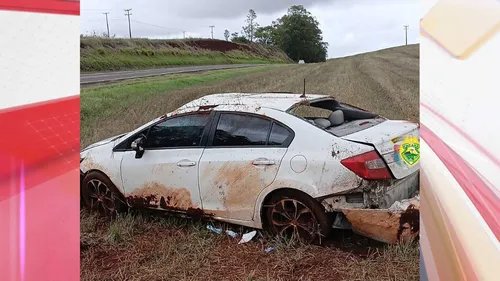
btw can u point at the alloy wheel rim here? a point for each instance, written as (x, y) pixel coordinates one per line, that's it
(101, 198)
(292, 218)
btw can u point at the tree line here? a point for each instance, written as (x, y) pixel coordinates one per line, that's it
(297, 33)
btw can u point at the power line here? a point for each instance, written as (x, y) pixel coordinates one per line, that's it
(159, 26)
(99, 19)
(128, 14)
(406, 34)
(107, 24)
(162, 27)
(212, 30)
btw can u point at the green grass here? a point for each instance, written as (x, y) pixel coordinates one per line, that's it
(106, 103)
(118, 61)
(101, 54)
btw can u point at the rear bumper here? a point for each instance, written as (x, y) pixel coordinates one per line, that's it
(385, 194)
(390, 226)
(374, 194)
(388, 211)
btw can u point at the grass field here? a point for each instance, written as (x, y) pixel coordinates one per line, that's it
(117, 108)
(137, 247)
(101, 54)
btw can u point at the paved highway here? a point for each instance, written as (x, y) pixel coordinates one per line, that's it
(102, 77)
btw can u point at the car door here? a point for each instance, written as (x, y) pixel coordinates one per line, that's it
(166, 176)
(242, 157)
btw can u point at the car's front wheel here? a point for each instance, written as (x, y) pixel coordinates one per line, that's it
(297, 216)
(100, 195)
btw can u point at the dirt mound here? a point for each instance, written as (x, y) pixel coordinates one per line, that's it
(218, 45)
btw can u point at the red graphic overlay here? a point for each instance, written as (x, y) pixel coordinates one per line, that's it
(476, 189)
(68, 7)
(39, 191)
(38, 133)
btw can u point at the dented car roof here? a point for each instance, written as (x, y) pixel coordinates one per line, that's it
(278, 101)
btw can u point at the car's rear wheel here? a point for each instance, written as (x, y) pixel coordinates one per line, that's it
(101, 196)
(297, 216)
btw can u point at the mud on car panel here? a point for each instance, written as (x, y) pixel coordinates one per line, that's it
(248, 148)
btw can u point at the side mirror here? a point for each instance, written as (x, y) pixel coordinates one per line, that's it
(138, 146)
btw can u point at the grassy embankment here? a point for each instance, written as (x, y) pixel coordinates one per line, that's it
(102, 54)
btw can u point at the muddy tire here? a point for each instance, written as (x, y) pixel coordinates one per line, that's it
(297, 215)
(101, 196)
(82, 202)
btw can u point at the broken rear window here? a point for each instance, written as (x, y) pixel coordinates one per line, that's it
(326, 114)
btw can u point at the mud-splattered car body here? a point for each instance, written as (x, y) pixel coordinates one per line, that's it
(249, 146)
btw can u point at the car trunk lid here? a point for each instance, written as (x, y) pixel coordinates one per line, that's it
(396, 141)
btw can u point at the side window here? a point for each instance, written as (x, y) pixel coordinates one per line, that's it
(241, 130)
(182, 131)
(279, 135)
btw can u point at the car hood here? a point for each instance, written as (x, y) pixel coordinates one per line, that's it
(103, 142)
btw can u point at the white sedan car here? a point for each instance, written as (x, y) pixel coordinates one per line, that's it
(255, 160)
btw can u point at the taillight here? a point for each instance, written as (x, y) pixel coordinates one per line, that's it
(368, 166)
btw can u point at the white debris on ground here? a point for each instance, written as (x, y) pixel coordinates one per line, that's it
(404, 204)
(219, 231)
(231, 233)
(269, 250)
(214, 229)
(247, 237)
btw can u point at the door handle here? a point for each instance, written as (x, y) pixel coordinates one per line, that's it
(263, 162)
(186, 163)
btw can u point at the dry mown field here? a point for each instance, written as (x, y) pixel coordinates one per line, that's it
(157, 248)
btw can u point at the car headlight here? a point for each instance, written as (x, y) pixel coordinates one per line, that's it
(83, 155)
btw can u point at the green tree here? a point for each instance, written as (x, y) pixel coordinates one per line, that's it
(264, 35)
(251, 27)
(298, 34)
(235, 37)
(226, 34)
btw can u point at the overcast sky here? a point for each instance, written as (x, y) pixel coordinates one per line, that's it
(349, 26)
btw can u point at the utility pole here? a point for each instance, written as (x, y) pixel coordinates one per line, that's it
(212, 28)
(184, 34)
(107, 25)
(128, 14)
(406, 34)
